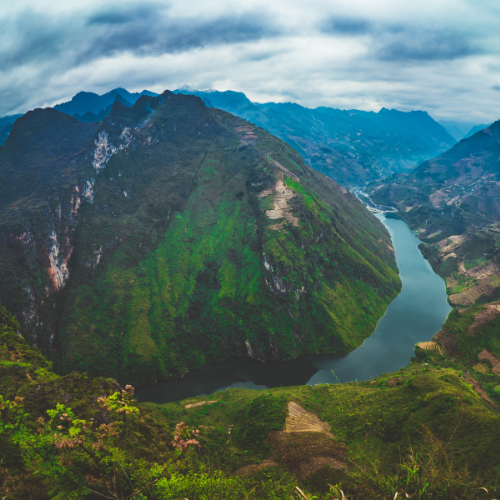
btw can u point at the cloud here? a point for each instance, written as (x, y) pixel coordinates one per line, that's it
(347, 26)
(125, 14)
(439, 55)
(412, 45)
(169, 35)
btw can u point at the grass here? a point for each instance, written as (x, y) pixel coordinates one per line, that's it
(421, 428)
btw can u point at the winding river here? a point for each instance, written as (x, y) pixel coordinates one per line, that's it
(414, 316)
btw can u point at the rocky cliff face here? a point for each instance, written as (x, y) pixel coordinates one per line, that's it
(42, 182)
(171, 235)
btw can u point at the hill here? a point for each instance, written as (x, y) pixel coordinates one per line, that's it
(172, 235)
(420, 432)
(350, 146)
(475, 129)
(453, 202)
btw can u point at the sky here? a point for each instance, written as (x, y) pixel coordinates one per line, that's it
(441, 56)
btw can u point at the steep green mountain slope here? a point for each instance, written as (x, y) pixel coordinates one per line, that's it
(172, 235)
(422, 432)
(453, 201)
(350, 146)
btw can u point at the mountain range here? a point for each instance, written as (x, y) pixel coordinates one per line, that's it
(148, 235)
(350, 146)
(89, 102)
(171, 234)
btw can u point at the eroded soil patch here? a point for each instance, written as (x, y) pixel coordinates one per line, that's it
(306, 444)
(281, 210)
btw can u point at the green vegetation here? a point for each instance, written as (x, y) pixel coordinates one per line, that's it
(421, 431)
(169, 260)
(465, 343)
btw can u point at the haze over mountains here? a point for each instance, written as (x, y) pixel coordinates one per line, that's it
(460, 130)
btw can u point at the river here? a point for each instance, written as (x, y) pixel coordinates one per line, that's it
(415, 315)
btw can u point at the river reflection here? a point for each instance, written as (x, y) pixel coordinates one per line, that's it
(414, 316)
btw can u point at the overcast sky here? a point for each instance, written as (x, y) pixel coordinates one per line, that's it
(442, 56)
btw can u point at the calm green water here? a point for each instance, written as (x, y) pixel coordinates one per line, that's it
(414, 316)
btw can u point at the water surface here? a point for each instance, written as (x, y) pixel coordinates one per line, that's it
(415, 315)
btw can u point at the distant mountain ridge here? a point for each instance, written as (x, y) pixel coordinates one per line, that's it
(90, 117)
(350, 146)
(6, 124)
(89, 102)
(86, 107)
(476, 129)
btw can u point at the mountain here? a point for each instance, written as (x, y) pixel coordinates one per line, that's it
(172, 235)
(6, 124)
(90, 117)
(88, 102)
(475, 129)
(93, 107)
(4, 133)
(457, 129)
(352, 147)
(8, 120)
(75, 436)
(453, 202)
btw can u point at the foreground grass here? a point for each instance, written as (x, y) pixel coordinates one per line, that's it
(421, 432)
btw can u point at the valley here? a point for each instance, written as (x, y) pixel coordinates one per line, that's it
(177, 247)
(452, 204)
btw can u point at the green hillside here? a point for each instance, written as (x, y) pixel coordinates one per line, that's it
(181, 235)
(422, 432)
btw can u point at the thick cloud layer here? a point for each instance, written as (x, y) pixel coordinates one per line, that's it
(437, 55)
